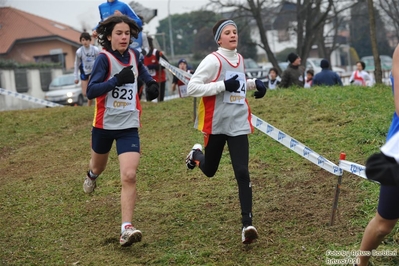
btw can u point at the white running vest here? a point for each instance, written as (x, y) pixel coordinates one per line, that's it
(121, 104)
(226, 113)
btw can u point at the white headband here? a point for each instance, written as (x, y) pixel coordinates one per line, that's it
(221, 27)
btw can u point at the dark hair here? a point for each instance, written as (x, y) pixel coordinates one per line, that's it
(107, 26)
(362, 63)
(273, 69)
(292, 57)
(310, 71)
(85, 35)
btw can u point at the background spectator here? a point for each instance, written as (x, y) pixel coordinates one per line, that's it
(294, 74)
(182, 88)
(273, 80)
(361, 77)
(156, 70)
(326, 77)
(309, 78)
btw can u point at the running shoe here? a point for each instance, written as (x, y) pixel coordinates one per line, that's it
(189, 159)
(249, 234)
(129, 236)
(89, 184)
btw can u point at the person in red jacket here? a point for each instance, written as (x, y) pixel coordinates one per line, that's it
(156, 70)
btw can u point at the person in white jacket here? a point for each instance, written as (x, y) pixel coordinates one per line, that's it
(360, 76)
(84, 61)
(224, 116)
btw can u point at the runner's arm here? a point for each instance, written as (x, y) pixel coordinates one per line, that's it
(97, 85)
(395, 74)
(201, 83)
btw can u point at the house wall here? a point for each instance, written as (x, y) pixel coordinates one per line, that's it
(7, 81)
(275, 45)
(25, 52)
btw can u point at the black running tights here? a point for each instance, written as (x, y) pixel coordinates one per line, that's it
(239, 155)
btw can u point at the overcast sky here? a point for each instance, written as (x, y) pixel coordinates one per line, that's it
(84, 13)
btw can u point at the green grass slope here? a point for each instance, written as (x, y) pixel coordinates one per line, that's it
(187, 218)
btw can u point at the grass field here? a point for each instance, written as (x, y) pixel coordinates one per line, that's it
(187, 218)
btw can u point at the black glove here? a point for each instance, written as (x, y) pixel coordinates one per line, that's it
(126, 75)
(232, 84)
(151, 91)
(260, 86)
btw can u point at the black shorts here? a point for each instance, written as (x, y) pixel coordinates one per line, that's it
(388, 204)
(127, 140)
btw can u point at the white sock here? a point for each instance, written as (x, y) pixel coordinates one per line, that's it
(124, 225)
(92, 175)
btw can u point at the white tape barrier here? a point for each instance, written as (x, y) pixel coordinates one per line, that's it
(180, 74)
(28, 98)
(353, 168)
(295, 145)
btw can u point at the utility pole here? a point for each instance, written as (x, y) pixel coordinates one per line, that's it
(170, 33)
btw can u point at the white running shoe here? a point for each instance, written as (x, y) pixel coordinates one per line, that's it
(249, 234)
(189, 159)
(129, 236)
(89, 184)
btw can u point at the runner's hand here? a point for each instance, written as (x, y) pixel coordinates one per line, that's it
(125, 76)
(261, 89)
(152, 91)
(232, 84)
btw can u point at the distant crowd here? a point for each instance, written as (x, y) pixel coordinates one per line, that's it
(296, 75)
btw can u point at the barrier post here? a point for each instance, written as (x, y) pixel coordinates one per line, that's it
(342, 156)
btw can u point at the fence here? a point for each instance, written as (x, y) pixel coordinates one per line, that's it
(29, 82)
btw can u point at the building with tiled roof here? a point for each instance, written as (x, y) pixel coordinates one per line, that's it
(29, 38)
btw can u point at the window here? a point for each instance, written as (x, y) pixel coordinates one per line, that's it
(45, 78)
(21, 80)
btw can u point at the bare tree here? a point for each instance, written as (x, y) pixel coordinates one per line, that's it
(391, 9)
(311, 16)
(253, 9)
(377, 62)
(328, 38)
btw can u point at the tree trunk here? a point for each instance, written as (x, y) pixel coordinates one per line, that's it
(377, 62)
(256, 11)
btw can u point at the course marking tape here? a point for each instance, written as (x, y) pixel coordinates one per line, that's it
(180, 74)
(28, 98)
(295, 146)
(356, 169)
(353, 168)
